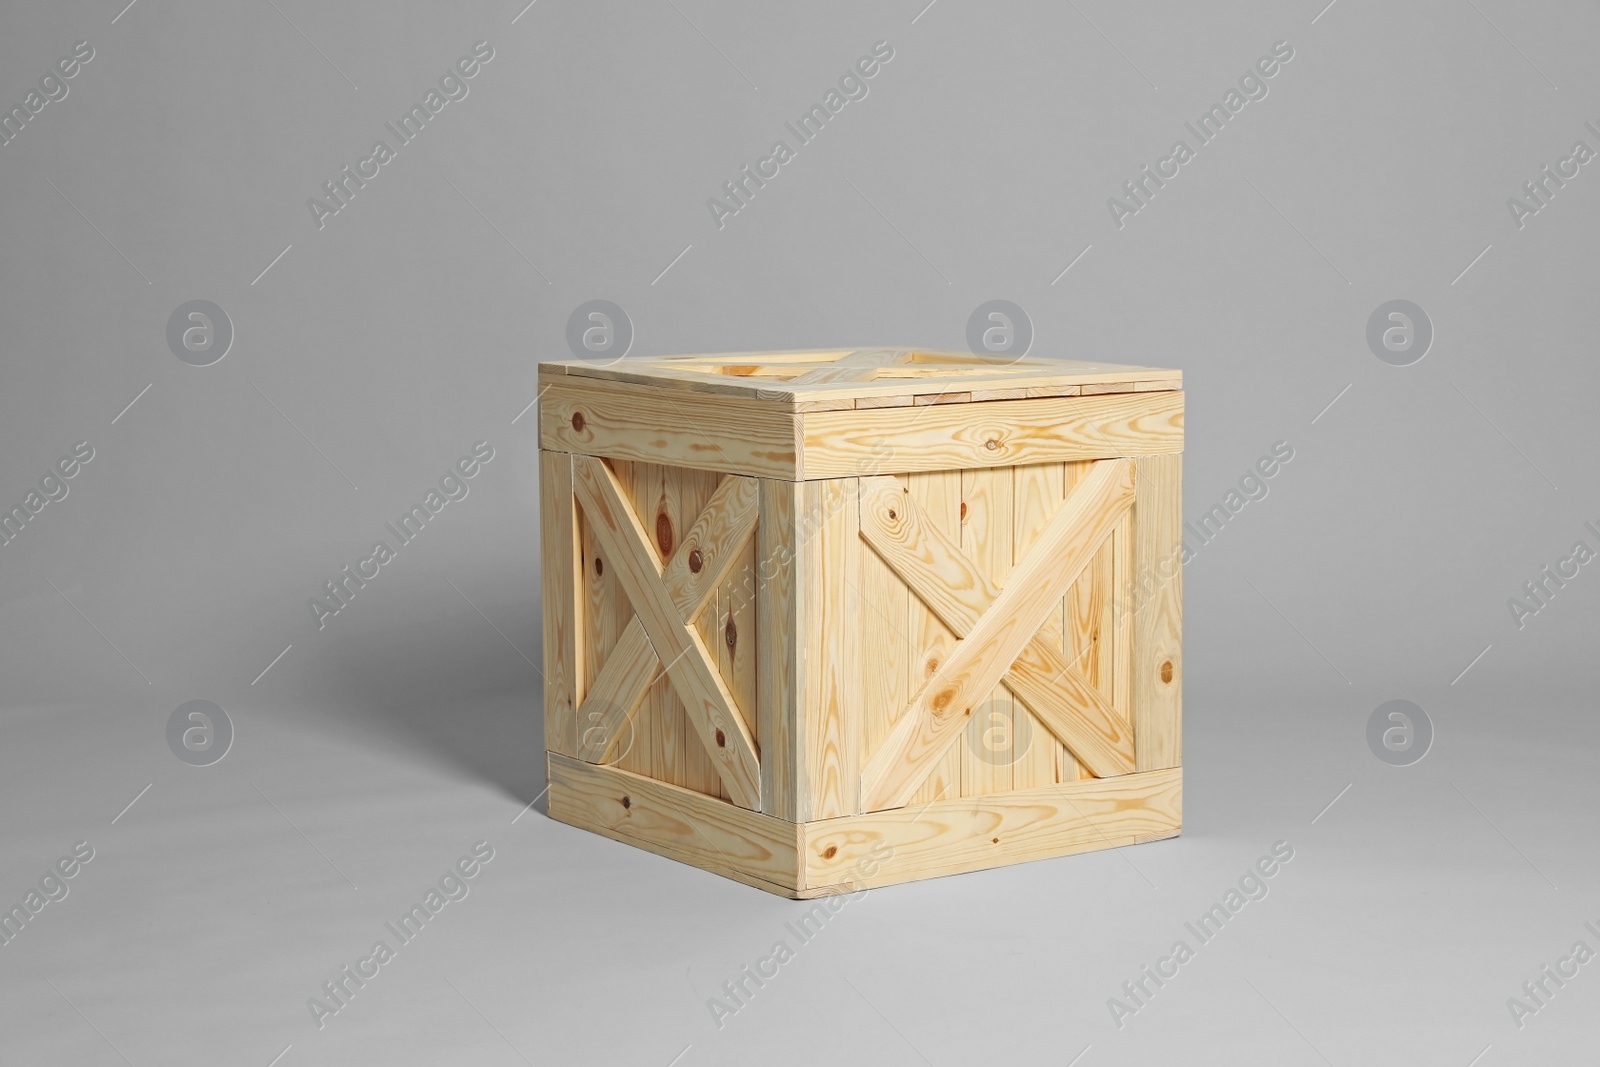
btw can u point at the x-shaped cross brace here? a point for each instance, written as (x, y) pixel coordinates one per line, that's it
(998, 628)
(666, 599)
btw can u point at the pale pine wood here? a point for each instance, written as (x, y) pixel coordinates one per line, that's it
(609, 710)
(605, 617)
(1038, 491)
(939, 713)
(725, 524)
(1157, 668)
(996, 433)
(986, 507)
(678, 823)
(937, 495)
(695, 488)
(659, 725)
(560, 565)
(788, 379)
(857, 366)
(684, 654)
(829, 723)
(888, 650)
(1088, 621)
(963, 595)
(780, 612)
(640, 422)
(970, 834)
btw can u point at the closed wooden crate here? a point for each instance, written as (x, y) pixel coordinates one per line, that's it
(820, 621)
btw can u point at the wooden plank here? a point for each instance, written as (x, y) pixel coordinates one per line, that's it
(986, 752)
(962, 594)
(955, 836)
(560, 565)
(713, 546)
(999, 433)
(937, 496)
(1088, 621)
(606, 614)
(856, 367)
(609, 710)
(677, 823)
(829, 728)
(1038, 491)
(779, 669)
(776, 378)
(1157, 654)
(998, 637)
(926, 399)
(662, 728)
(888, 650)
(683, 653)
(868, 402)
(638, 422)
(695, 490)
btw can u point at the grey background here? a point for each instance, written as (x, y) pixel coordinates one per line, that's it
(376, 350)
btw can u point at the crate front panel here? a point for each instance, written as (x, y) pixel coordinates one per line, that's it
(823, 641)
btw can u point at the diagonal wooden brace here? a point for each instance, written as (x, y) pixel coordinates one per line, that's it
(704, 558)
(711, 708)
(998, 629)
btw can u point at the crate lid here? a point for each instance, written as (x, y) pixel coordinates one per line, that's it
(836, 379)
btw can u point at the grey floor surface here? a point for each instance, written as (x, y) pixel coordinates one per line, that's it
(219, 903)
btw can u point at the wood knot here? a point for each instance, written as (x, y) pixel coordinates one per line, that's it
(1166, 671)
(722, 739)
(627, 802)
(730, 633)
(892, 515)
(941, 700)
(577, 421)
(830, 852)
(994, 841)
(599, 566)
(664, 533)
(963, 511)
(696, 561)
(991, 444)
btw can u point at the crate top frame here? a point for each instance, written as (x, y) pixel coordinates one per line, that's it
(864, 378)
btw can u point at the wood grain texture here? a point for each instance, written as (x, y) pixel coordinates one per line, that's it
(686, 659)
(937, 495)
(560, 565)
(693, 765)
(684, 429)
(962, 594)
(793, 379)
(677, 823)
(1038, 491)
(995, 433)
(986, 751)
(988, 650)
(608, 717)
(1157, 661)
(779, 667)
(828, 728)
(969, 834)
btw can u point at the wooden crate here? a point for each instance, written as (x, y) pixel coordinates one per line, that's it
(821, 621)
